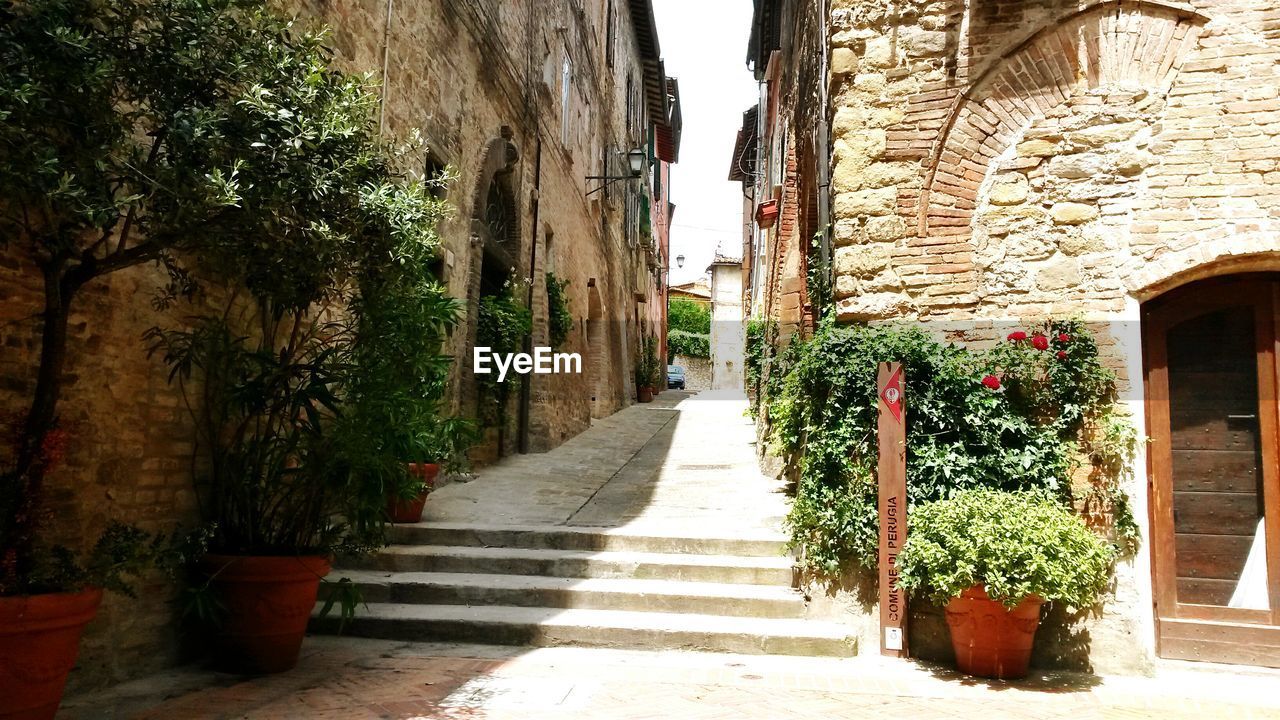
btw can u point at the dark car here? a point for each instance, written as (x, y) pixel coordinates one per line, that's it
(675, 377)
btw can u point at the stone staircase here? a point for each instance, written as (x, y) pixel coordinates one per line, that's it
(602, 587)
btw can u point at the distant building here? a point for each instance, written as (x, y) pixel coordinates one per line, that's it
(727, 331)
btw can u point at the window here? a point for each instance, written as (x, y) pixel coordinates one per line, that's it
(608, 35)
(434, 176)
(566, 94)
(631, 104)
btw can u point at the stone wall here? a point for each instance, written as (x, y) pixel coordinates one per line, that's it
(697, 372)
(482, 80)
(995, 162)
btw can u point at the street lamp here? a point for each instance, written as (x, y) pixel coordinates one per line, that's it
(636, 161)
(679, 261)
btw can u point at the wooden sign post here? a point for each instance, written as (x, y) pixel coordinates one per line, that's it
(892, 472)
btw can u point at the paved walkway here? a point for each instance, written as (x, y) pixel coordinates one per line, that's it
(352, 679)
(680, 464)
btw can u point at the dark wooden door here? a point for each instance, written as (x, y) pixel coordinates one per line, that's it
(1215, 506)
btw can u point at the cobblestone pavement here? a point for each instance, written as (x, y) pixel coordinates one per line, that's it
(352, 679)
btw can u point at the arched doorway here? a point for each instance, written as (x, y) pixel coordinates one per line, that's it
(1211, 379)
(496, 240)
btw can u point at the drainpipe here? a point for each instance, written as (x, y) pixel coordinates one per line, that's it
(386, 63)
(823, 132)
(526, 384)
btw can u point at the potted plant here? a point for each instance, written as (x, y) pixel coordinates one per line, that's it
(647, 369)
(184, 164)
(440, 446)
(44, 611)
(992, 558)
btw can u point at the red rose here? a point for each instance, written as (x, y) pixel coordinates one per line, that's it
(992, 382)
(1018, 336)
(1040, 342)
(1063, 337)
(1062, 354)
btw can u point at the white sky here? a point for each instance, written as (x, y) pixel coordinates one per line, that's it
(704, 45)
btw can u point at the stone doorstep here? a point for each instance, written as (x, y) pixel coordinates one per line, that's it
(759, 601)
(582, 563)
(545, 627)
(560, 537)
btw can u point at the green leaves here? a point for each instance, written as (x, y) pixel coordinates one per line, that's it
(1015, 543)
(688, 344)
(1050, 414)
(559, 317)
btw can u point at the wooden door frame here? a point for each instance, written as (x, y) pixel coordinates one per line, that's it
(1212, 628)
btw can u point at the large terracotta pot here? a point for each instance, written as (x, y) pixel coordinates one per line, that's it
(989, 639)
(410, 511)
(269, 601)
(644, 394)
(39, 641)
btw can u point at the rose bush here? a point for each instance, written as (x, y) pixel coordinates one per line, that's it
(1015, 417)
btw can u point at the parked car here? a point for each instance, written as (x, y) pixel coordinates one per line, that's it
(675, 377)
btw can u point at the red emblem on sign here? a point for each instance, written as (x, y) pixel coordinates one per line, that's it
(892, 394)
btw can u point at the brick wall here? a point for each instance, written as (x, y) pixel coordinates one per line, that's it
(467, 75)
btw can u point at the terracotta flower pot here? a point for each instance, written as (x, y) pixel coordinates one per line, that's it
(410, 511)
(39, 641)
(269, 601)
(644, 394)
(767, 213)
(989, 639)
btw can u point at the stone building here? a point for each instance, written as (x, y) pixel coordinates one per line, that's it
(528, 104)
(973, 165)
(727, 329)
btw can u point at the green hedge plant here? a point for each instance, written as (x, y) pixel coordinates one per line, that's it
(1022, 416)
(1016, 544)
(559, 316)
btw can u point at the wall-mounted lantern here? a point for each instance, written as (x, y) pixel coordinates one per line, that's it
(636, 161)
(679, 261)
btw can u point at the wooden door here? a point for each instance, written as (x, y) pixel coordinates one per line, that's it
(1211, 376)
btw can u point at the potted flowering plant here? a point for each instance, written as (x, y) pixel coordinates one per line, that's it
(992, 558)
(442, 445)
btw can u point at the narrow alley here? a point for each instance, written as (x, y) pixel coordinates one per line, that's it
(632, 521)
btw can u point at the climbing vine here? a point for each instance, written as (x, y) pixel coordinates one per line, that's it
(502, 325)
(1025, 415)
(559, 317)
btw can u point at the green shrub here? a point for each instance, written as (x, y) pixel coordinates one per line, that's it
(756, 349)
(559, 317)
(689, 316)
(1029, 433)
(680, 342)
(502, 325)
(1016, 544)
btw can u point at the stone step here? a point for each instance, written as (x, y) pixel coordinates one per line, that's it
(580, 564)
(561, 537)
(543, 627)
(430, 588)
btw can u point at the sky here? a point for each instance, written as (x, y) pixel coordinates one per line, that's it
(704, 45)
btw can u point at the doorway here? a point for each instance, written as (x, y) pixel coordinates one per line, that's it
(1211, 378)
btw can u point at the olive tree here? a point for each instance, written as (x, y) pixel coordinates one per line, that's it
(209, 137)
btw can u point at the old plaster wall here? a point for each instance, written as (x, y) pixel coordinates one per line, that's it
(996, 162)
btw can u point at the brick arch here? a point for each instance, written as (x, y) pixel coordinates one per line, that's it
(1202, 255)
(1115, 42)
